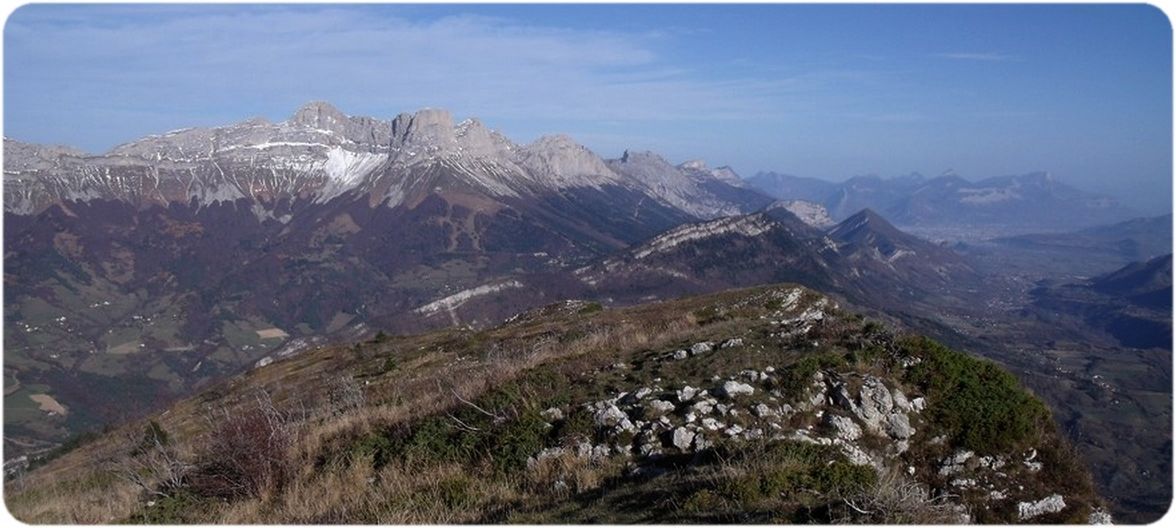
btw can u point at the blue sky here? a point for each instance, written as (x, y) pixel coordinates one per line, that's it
(828, 91)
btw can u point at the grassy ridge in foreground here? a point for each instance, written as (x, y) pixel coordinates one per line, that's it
(798, 412)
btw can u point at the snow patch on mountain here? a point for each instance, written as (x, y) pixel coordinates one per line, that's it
(748, 226)
(988, 195)
(346, 170)
(454, 301)
(811, 213)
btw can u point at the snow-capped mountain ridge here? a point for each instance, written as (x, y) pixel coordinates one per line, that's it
(319, 153)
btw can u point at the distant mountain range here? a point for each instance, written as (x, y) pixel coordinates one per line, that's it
(1133, 304)
(157, 269)
(1035, 200)
(178, 259)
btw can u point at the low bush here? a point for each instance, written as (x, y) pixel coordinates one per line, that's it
(590, 308)
(245, 454)
(980, 405)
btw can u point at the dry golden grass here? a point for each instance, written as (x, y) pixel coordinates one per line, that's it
(92, 497)
(439, 371)
(331, 481)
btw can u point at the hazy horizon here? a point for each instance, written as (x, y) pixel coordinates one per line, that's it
(827, 92)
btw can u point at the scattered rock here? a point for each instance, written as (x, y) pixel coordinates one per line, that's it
(699, 348)
(875, 403)
(1099, 516)
(856, 455)
(659, 407)
(642, 393)
(955, 463)
(918, 404)
(703, 406)
(991, 462)
(1051, 504)
(680, 354)
(683, 438)
(552, 414)
(843, 427)
(731, 343)
(733, 430)
(899, 426)
(763, 411)
(610, 416)
(901, 401)
(712, 424)
(686, 393)
(732, 389)
(963, 483)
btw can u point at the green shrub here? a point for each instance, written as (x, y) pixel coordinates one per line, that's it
(744, 490)
(436, 439)
(709, 315)
(388, 365)
(703, 501)
(841, 477)
(379, 447)
(153, 435)
(981, 406)
(577, 425)
(456, 493)
(173, 509)
(516, 441)
(590, 308)
(797, 376)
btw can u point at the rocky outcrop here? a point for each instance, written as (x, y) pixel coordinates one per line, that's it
(1051, 504)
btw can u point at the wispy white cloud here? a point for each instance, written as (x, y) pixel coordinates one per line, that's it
(180, 63)
(977, 56)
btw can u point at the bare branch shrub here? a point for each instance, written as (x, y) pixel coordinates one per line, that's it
(245, 453)
(896, 499)
(345, 395)
(151, 464)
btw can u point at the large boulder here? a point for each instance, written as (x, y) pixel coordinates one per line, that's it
(875, 402)
(843, 427)
(732, 389)
(898, 426)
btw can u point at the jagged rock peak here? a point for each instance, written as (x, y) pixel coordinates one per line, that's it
(694, 164)
(320, 114)
(642, 156)
(552, 141)
(560, 158)
(21, 156)
(428, 125)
